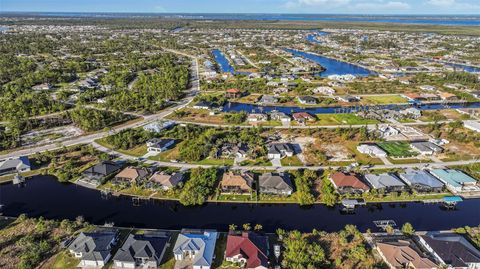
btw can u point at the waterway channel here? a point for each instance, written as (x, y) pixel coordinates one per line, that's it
(44, 196)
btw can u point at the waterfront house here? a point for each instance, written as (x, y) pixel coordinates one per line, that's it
(165, 181)
(195, 249)
(233, 93)
(14, 165)
(421, 181)
(348, 183)
(238, 183)
(159, 144)
(158, 126)
(387, 182)
(279, 116)
(307, 100)
(249, 250)
(348, 98)
(93, 249)
(203, 105)
(451, 250)
(100, 171)
(280, 150)
(324, 90)
(257, 117)
(372, 150)
(280, 90)
(303, 117)
(472, 125)
(428, 88)
(42, 87)
(446, 96)
(141, 251)
(131, 175)
(268, 99)
(455, 180)
(275, 183)
(404, 253)
(426, 147)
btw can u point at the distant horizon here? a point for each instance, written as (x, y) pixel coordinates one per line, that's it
(330, 7)
(245, 13)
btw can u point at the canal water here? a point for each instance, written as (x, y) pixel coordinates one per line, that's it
(332, 66)
(44, 196)
(252, 108)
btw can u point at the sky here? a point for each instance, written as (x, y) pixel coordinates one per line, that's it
(249, 6)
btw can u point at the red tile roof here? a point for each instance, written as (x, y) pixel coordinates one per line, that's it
(233, 90)
(348, 180)
(250, 246)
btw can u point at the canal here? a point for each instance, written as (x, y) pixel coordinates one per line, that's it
(253, 108)
(44, 196)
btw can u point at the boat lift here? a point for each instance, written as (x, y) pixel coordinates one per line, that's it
(383, 224)
(450, 202)
(350, 204)
(19, 180)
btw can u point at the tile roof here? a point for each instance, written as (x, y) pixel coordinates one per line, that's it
(400, 254)
(348, 180)
(252, 247)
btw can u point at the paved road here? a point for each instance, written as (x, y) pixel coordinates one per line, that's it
(87, 139)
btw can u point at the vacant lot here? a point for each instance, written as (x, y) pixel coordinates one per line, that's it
(397, 149)
(341, 119)
(383, 99)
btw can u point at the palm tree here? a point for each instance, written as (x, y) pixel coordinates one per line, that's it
(247, 227)
(258, 227)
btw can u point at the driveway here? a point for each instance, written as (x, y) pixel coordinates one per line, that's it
(276, 162)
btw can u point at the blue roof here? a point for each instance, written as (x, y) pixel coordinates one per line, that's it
(452, 199)
(421, 177)
(453, 177)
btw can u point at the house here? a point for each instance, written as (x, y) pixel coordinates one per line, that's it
(429, 88)
(421, 181)
(275, 183)
(387, 182)
(426, 147)
(472, 125)
(93, 249)
(404, 253)
(100, 171)
(475, 94)
(280, 90)
(141, 251)
(451, 250)
(268, 99)
(203, 105)
(164, 180)
(414, 97)
(257, 117)
(387, 131)
(88, 83)
(324, 90)
(446, 96)
(348, 183)
(302, 117)
(233, 93)
(14, 165)
(42, 87)
(372, 150)
(455, 180)
(279, 116)
(195, 249)
(307, 100)
(158, 126)
(159, 145)
(250, 250)
(280, 150)
(348, 98)
(411, 112)
(131, 175)
(237, 182)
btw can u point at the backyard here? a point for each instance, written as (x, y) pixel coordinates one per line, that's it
(397, 149)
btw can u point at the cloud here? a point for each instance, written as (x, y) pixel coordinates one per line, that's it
(391, 5)
(441, 3)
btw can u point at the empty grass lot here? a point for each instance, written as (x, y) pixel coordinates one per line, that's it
(342, 119)
(383, 99)
(397, 149)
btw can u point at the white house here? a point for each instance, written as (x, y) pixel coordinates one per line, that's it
(472, 125)
(159, 145)
(195, 247)
(372, 150)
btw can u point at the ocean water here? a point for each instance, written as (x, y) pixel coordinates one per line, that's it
(459, 20)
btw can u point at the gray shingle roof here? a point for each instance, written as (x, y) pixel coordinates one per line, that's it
(148, 247)
(93, 246)
(384, 181)
(275, 181)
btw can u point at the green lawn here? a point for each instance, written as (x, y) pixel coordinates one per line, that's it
(397, 149)
(256, 162)
(291, 161)
(64, 260)
(228, 162)
(383, 99)
(341, 119)
(136, 151)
